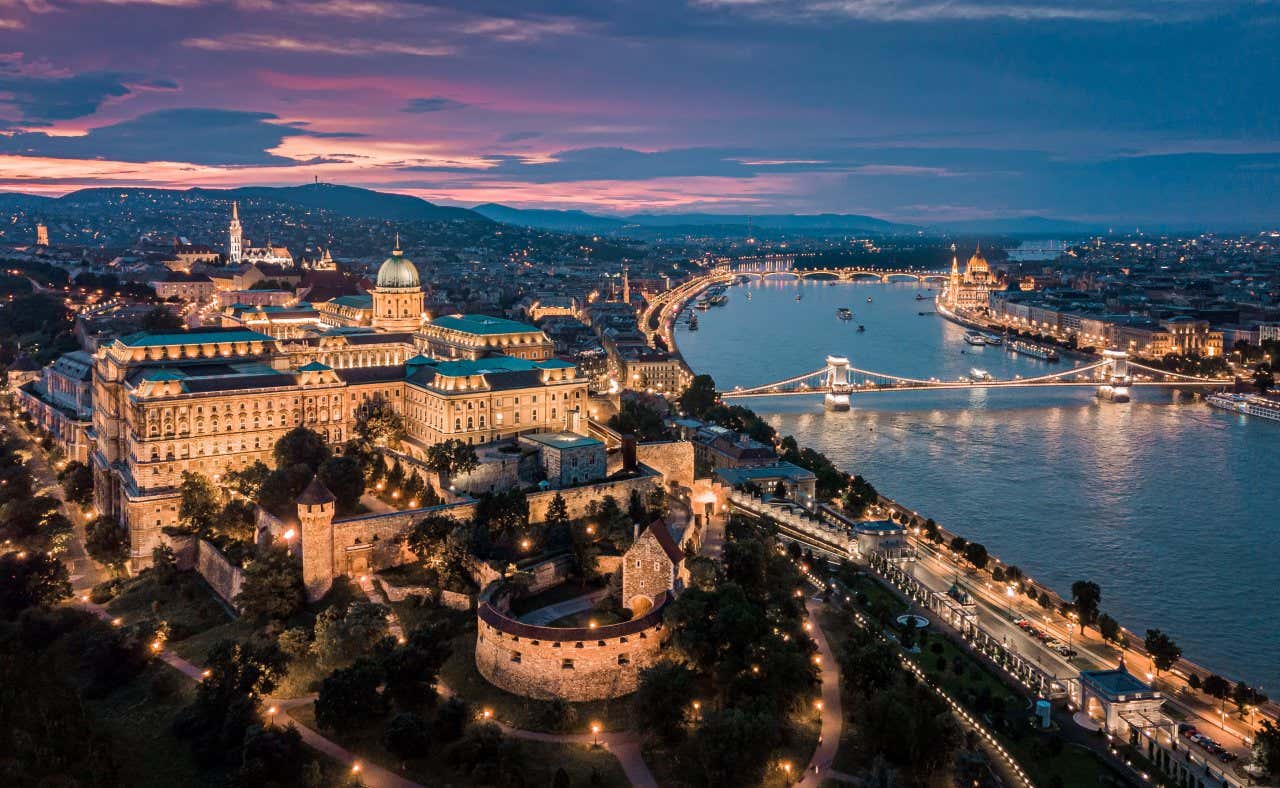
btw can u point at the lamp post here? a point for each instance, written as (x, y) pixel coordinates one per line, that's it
(595, 734)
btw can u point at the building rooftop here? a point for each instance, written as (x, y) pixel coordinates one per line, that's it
(1115, 682)
(482, 324)
(562, 440)
(202, 336)
(782, 470)
(877, 526)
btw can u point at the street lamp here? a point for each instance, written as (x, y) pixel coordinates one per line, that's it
(595, 733)
(271, 715)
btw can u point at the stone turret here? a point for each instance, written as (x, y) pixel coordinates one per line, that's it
(315, 518)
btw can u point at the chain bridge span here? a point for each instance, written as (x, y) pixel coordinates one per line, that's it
(838, 381)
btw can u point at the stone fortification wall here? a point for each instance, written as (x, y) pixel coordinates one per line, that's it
(222, 576)
(672, 459)
(574, 664)
(371, 542)
(578, 498)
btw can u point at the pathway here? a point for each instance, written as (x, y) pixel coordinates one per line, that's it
(625, 745)
(545, 615)
(84, 571)
(832, 714)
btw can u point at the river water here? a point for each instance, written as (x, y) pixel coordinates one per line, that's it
(1172, 507)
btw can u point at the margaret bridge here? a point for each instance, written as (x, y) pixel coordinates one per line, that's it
(1112, 376)
(664, 307)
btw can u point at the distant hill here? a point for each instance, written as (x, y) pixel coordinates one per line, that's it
(549, 219)
(347, 201)
(24, 202)
(707, 223)
(1018, 225)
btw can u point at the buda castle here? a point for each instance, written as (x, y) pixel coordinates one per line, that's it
(213, 400)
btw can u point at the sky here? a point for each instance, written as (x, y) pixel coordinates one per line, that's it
(1122, 111)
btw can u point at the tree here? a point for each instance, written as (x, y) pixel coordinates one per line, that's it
(1086, 596)
(452, 458)
(584, 554)
(164, 564)
(106, 542)
(272, 587)
(699, 397)
(505, 513)
(1266, 748)
(1164, 652)
(732, 746)
(160, 320)
(343, 478)
(248, 481)
(639, 419)
(280, 489)
(663, 698)
(867, 663)
(958, 544)
(1264, 379)
(199, 505)
(77, 482)
(349, 697)
(406, 736)
(301, 446)
(976, 554)
(229, 698)
(31, 580)
(1109, 628)
(410, 670)
(450, 720)
(272, 756)
(343, 634)
(380, 424)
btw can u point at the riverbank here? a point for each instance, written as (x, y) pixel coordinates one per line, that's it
(1086, 485)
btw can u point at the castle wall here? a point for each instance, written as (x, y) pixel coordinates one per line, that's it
(672, 459)
(578, 498)
(573, 664)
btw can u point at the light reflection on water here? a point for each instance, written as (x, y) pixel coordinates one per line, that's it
(1171, 506)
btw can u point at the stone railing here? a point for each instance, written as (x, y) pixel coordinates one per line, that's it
(830, 537)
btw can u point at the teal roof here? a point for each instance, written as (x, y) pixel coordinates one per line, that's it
(1114, 682)
(146, 339)
(482, 324)
(485, 366)
(782, 470)
(314, 366)
(355, 301)
(562, 440)
(163, 374)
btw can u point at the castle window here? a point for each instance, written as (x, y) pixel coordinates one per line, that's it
(566, 664)
(515, 656)
(578, 644)
(623, 659)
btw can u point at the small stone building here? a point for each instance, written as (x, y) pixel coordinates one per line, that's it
(568, 459)
(651, 568)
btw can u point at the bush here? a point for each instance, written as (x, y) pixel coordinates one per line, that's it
(450, 720)
(105, 591)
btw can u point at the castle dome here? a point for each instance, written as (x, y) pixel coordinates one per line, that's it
(398, 271)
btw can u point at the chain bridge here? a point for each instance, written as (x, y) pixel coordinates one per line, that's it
(838, 381)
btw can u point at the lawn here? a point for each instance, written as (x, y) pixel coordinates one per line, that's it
(459, 674)
(187, 604)
(541, 759)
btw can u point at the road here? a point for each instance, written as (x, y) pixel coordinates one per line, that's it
(996, 612)
(85, 572)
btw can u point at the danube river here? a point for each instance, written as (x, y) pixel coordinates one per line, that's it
(1173, 508)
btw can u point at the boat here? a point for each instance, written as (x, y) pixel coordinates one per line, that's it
(868, 299)
(977, 374)
(748, 296)
(974, 338)
(1032, 349)
(799, 296)
(921, 297)
(1248, 404)
(861, 328)
(702, 304)
(922, 314)
(719, 299)
(693, 322)
(993, 339)
(844, 313)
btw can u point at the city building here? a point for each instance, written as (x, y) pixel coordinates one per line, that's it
(60, 401)
(476, 336)
(194, 288)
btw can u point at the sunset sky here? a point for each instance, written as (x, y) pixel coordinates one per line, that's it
(1129, 111)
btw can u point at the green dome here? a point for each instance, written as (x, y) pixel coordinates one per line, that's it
(398, 271)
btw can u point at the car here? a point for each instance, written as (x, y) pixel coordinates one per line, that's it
(1068, 652)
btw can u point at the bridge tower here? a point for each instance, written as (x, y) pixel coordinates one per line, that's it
(1116, 377)
(838, 383)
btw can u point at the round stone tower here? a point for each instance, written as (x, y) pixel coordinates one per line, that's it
(315, 518)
